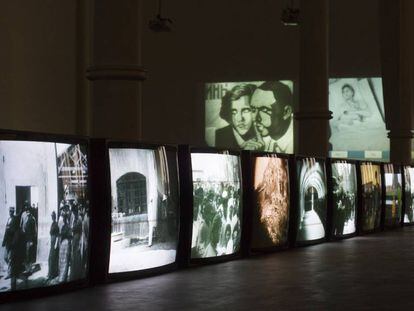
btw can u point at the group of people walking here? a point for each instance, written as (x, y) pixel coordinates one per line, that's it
(68, 245)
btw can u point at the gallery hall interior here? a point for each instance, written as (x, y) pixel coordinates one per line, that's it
(206, 155)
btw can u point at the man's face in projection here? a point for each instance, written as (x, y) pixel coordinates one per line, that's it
(241, 115)
(262, 102)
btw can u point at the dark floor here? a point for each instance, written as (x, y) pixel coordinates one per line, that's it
(363, 273)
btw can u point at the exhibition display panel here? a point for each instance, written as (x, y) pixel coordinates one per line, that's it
(344, 198)
(44, 213)
(371, 194)
(393, 196)
(408, 217)
(76, 211)
(311, 200)
(217, 204)
(271, 201)
(144, 206)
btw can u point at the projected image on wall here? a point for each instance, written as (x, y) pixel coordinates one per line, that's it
(358, 123)
(216, 205)
(44, 214)
(344, 198)
(250, 115)
(409, 194)
(144, 192)
(393, 195)
(312, 199)
(371, 196)
(271, 192)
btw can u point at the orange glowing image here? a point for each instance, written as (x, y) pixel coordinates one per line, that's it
(271, 188)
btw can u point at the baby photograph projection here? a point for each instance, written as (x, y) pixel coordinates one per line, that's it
(250, 115)
(272, 202)
(312, 191)
(216, 205)
(144, 195)
(393, 195)
(371, 196)
(409, 194)
(358, 121)
(344, 194)
(44, 214)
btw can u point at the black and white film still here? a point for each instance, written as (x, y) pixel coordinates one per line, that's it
(44, 214)
(409, 195)
(255, 115)
(344, 198)
(216, 229)
(358, 121)
(312, 199)
(393, 195)
(145, 214)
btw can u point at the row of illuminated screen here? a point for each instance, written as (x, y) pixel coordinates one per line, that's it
(258, 115)
(45, 212)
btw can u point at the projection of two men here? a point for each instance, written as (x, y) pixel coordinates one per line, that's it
(250, 115)
(216, 205)
(144, 191)
(44, 214)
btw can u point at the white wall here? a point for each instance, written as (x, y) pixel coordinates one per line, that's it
(29, 164)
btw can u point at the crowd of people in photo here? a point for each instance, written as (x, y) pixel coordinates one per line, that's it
(216, 219)
(19, 242)
(345, 204)
(68, 252)
(69, 236)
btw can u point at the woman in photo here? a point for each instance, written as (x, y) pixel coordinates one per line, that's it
(65, 238)
(353, 110)
(54, 249)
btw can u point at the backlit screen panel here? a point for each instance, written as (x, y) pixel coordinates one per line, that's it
(44, 214)
(344, 195)
(144, 195)
(272, 202)
(216, 205)
(312, 199)
(371, 196)
(409, 194)
(393, 195)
